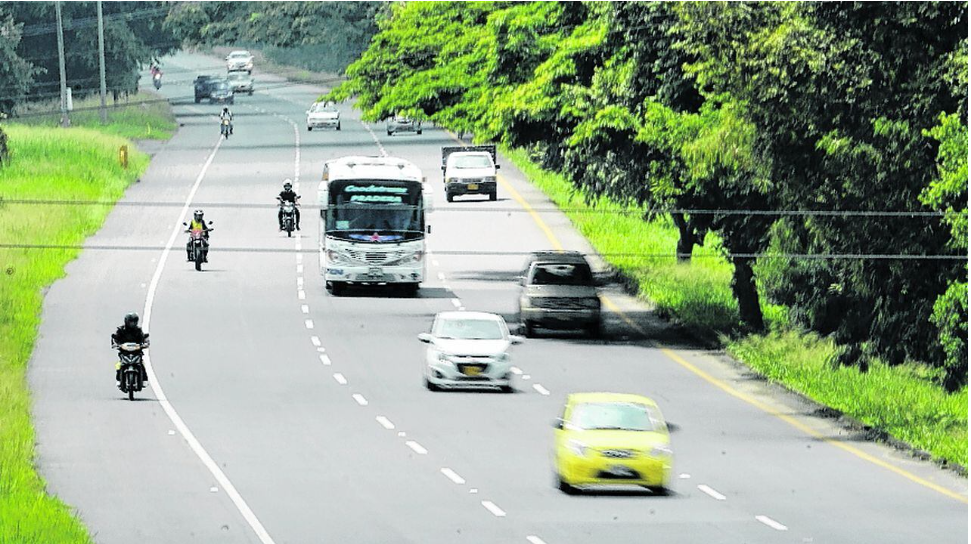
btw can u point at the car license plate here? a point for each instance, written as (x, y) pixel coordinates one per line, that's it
(374, 272)
(471, 371)
(620, 471)
(473, 186)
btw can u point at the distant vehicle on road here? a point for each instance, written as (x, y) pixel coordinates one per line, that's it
(221, 93)
(323, 115)
(240, 82)
(239, 61)
(469, 170)
(611, 439)
(372, 223)
(399, 123)
(558, 291)
(203, 87)
(468, 349)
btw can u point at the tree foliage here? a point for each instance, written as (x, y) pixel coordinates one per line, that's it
(754, 106)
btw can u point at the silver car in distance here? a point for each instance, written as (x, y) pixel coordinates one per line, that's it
(468, 349)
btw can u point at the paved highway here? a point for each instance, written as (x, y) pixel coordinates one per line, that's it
(286, 415)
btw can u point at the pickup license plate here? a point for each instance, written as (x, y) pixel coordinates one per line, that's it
(473, 186)
(374, 272)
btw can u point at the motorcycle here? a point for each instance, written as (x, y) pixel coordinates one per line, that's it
(157, 80)
(225, 128)
(130, 366)
(289, 215)
(198, 247)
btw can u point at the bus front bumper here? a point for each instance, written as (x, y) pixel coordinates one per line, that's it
(373, 275)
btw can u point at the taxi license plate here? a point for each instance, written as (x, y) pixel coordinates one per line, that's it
(620, 471)
(374, 272)
(473, 186)
(471, 371)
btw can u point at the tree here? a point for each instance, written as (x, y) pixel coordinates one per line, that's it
(16, 74)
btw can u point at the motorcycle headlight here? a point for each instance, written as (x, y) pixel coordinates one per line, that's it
(577, 448)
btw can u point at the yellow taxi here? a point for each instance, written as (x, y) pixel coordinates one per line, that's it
(611, 439)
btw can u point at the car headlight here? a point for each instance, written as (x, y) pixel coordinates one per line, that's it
(660, 451)
(444, 358)
(489, 179)
(591, 302)
(451, 180)
(525, 302)
(577, 448)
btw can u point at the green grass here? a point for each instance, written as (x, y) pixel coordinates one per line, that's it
(46, 163)
(905, 401)
(145, 116)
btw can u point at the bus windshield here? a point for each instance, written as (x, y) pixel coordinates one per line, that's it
(375, 210)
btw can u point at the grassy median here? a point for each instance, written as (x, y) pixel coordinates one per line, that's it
(45, 163)
(905, 401)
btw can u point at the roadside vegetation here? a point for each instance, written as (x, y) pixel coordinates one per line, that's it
(782, 165)
(46, 163)
(145, 116)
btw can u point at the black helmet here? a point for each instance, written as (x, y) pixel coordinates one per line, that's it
(197, 214)
(287, 185)
(226, 109)
(131, 320)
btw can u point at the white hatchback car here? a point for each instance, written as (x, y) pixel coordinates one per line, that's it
(468, 349)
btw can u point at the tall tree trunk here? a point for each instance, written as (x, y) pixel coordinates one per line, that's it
(743, 287)
(686, 237)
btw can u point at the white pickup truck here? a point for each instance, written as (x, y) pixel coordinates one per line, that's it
(469, 170)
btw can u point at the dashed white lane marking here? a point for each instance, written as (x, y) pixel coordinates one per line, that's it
(321, 349)
(156, 386)
(473, 491)
(496, 511)
(304, 308)
(299, 269)
(325, 359)
(684, 476)
(315, 340)
(456, 302)
(533, 539)
(516, 370)
(441, 276)
(309, 323)
(527, 377)
(297, 245)
(301, 294)
(451, 475)
(711, 492)
(144, 285)
(385, 422)
(435, 262)
(772, 523)
(171, 432)
(359, 398)
(416, 447)
(213, 489)
(300, 282)
(540, 389)
(461, 308)
(401, 434)
(299, 258)
(339, 378)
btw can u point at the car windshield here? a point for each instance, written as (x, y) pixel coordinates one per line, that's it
(623, 416)
(561, 274)
(239, 55)
(237, 77)
(469, 329)
(472, 161)
(321, 107)
(220, 85)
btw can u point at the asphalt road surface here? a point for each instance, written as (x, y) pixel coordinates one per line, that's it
(290, 416)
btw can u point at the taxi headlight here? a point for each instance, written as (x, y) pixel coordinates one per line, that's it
(660, 451)
(577, 448)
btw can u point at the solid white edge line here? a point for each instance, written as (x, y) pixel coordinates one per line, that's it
(533, 539)
(359, 398)
(375, 138)
(418, 448)
(452, 475)
(496, 511)
(711, 492)
(540, 389)
(339, 378)
(156, 386)
(385, 422)
(772, 523)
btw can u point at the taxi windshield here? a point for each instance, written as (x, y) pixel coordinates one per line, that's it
(469, 329)
(620, 416)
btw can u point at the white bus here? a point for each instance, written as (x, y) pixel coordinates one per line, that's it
(372, 228)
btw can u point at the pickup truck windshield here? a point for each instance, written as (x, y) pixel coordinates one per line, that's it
(472, 161)
(561, 274)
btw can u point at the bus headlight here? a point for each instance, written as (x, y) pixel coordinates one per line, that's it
(336, 257)
(407, 259)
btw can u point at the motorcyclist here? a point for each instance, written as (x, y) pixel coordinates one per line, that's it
(130, 332)
(289, 195)
(226, 114)
(155, 70)
(198, 223)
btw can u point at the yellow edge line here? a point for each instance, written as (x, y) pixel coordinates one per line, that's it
(721, 384)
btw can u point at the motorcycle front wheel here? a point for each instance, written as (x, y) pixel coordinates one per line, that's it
(131, 386)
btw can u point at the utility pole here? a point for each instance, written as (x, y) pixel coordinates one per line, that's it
(65, 121)
(101, 55)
